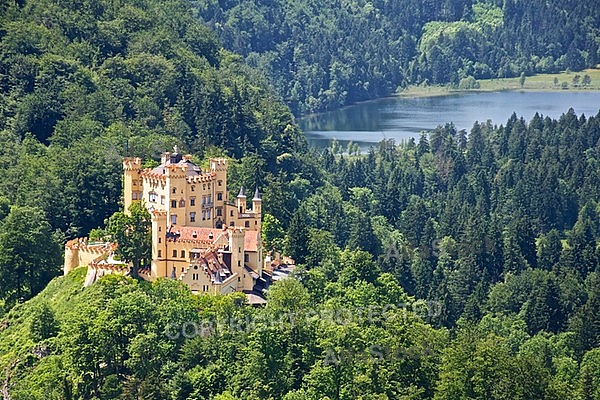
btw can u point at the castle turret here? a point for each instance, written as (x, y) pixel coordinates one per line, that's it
(241, 201)
(257, 203)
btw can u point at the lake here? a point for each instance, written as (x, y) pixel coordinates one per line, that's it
(401, 118)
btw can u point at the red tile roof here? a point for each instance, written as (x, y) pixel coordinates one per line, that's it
(191, 234)
(194, 234)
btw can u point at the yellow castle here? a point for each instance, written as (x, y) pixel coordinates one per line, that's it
(198, 236)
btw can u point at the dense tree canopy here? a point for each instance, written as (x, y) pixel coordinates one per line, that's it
(322, 55)
(83, 84)
(443, 269)
(450, 267)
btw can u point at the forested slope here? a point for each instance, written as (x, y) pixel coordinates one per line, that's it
(447, 268)
(322, 55)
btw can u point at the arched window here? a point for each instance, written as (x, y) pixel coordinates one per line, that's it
(181, 203)
(174, 190)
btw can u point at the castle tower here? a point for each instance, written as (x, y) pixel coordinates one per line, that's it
(220, 196)
(219, 166)
(159, 244)
(176, 186)
(131, 181)
(71, 257)
(236, 246)
(257, 203)
(241, 201)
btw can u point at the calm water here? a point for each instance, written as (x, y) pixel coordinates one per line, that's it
(403, 118)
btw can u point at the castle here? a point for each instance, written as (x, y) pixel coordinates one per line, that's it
(198, 236)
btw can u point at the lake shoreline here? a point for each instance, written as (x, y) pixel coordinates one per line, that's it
(565, 81)
(439, 91)
(533, 83)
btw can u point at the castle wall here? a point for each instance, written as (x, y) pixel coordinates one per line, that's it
(79, 253)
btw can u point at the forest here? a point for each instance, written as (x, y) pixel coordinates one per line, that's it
(457, 265)
(323, 55)
(450, 267)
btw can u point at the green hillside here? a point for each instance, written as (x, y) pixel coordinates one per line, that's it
(457, 266)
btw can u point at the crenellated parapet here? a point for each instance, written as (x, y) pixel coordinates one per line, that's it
(149, 173)
(132, 164)
(207, 177)
(82, 252)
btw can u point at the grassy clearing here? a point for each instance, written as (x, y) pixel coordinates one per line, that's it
(541, 82)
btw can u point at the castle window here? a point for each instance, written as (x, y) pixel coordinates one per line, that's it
(159, 254)
(231, 213)
(208, 214)
(192, 217)
(220, 183)
(208, 199)
(203, 187)
(219, 196)
(208, 184)
(219, 212)
(159, 240)
(173, 219)
(162, 200)
(239, 279)
(174, 253)
(246, 258)
(192, 201)
(232, 223)
(152, 197)
(247, 224)
(182, 203)
(135, 195)
(174, 190)
(173, 203)
(203, 215)
(193, 188)
(239, 263)
(182, 253)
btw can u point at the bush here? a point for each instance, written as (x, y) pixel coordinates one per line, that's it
(43, 325)
(468, 83)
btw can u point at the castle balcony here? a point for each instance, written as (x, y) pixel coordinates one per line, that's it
(208, 205)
